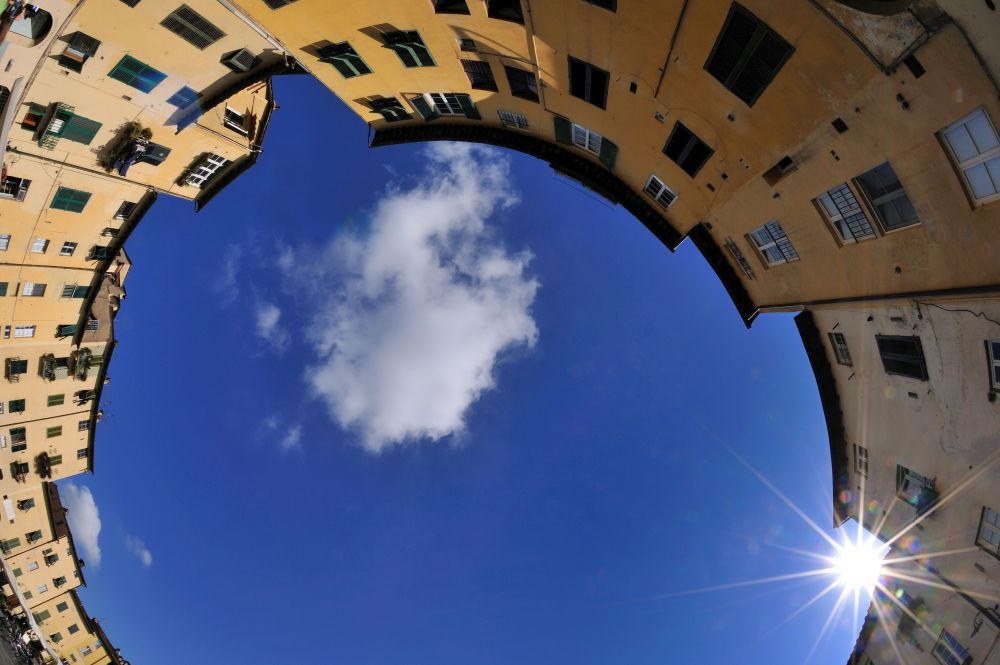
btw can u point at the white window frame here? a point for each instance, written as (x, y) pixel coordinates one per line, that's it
(875, 201)
(28, 289)
(988, 535)
(85, 650)
(43, 588)
(946, 653)
(205, 169)
(993, 353)
(659, 192)
(835, 217)
(68, 248)
(912, 486)
(763, 239)
(4, 241)
(445, 103)
(861, 460)
(981, 158)
(513, 120)
(39, 245)
(587, 139)
(32, 566)
(24, 331)
(236, 127)
(841, 350)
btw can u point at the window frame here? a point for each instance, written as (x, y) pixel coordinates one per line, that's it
(918, 358)
(523, 84)
(344, 58)
(844, 214)
(985, 544)
(206, 34)
(588, 139)
(124, 72)
(993, 358)
(660, 189)
(402, 42)
(689, 146)
(948, 643)
(875, 201)
(587, 94)
(841, 350)
(782, 244)
(480, 74)
(861, 460)
(981, 158)
(513, 119)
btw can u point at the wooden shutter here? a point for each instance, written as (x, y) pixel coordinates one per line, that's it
(468, 107)
(426, 111)
(609, 152)
(564, 130)
(80, 129)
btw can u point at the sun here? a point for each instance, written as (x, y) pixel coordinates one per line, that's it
(858, 565)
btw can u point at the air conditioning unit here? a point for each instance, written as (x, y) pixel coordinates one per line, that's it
(240, 61)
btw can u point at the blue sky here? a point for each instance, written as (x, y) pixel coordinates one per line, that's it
(438, 405)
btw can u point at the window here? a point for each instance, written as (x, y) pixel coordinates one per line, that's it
(480, 75)
(81, 453)
(14, 188)
(235, 121)
(131, 3)
(52, 432)
(747, 55)
(773, 244)
(16, 366)
(183, 97)
(577, 135)
(192, 27)
(39, 245)
(845, 215)
(450, 7)
(392, 109)
(659, 192)
(26, 504)
(137, 74)
(989, 531)
(74, 291)
(72, 629)
(78, 49)
(610, 5)
(344, 59)
(588, 82)
(436, 104)
(86, 650)
(32, 565)
(42, 588)
(993, 354)
(949, 651)
(409, 47)
(43, 615)
(67, 249)
(205, 169)
(507, 10)
(902, 356)
(886, 195)
(4, 241)
(511, 119)
(32, 290)
(18, 435)
(56, 400)
(62, 607)
(240, 61)
(522, 83)
(687, 150)
(586, 139)
(24, 331)
(861, 460)
(70, 200)
(83, 426)
(975, 149)
(125, 209)
(840, 350)
(913, 487)
(32, 537)
(16, 405)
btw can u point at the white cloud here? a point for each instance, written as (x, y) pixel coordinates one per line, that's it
(227, 284)
(139, 549)
(409, 318)
(290, 439)
(84, 520)
(268, 321)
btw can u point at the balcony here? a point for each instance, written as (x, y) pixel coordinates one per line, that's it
(53, 130)
(52, 368)
(14, 368)
(19, 471)
(43, 465)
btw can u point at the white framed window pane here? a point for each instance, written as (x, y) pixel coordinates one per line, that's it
(980, 181)
(24, 331)
(39, 245)
(982, 133)
(961, 143)
(4, 241)
(828, 206)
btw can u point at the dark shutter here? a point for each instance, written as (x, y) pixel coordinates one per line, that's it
(564, 130)
(470, 110)
(80, 129)
(426, 111)
(609, 152)
(747, 55)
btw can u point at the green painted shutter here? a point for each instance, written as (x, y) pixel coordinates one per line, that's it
(468, 107)
(56, 400)
(80, 129)
(80, 291)
(70, 200)
(10, 544)
(609, 152)
(66, 330)
(17, 572)
(426, 111)
(55, 460)
(564, 130)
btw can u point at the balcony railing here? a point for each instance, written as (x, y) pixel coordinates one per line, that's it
(56, 125)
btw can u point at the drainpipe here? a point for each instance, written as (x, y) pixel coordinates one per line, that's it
(24, 605)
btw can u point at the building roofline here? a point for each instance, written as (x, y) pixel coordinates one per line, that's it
(223, 179)
(564, 160)
(116, 245)
(95, 408)
(812, 340)
(710, 250)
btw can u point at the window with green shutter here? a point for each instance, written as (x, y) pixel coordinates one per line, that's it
(42, 616)
(56, 400)
(18, 434)
(345, 59)
(75, 291)
(33, 536)
(57, 637)
(137, 74)
(17, 572)
(80, 129)
(18, 447)
(52, 432)
(192, 27)
(55, 459)
(70, 200)
(409, 47)
(16, 406)
(66, 330)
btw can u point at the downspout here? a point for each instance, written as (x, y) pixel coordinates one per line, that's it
(670, 51)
